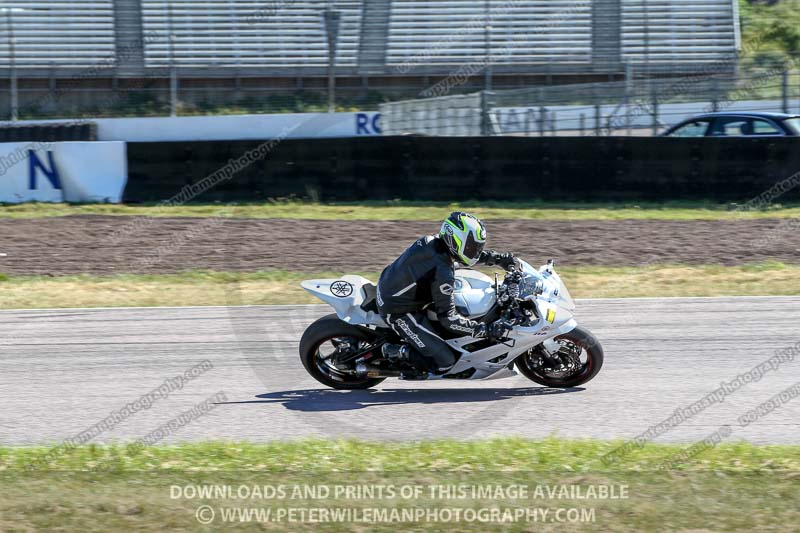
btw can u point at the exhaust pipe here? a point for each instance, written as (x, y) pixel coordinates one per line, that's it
(375, 372)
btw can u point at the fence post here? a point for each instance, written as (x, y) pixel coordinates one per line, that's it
(541, 121)
(529, 113)
(714, 95)
(486, 119)
(173, 71)
(628, 91)
(654, 96)
(13, 93)
(331, 19)
(173, 91)
(582, 124)
(785, 92)
(597, 120)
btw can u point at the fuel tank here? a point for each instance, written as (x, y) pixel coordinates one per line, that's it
(474, 293)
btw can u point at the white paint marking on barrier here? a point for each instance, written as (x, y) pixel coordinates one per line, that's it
(63, 171)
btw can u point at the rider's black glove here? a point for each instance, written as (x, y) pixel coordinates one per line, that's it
(506, 261)
(498, 329)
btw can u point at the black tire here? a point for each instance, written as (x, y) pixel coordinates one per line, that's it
(322, 330)
(580, 337)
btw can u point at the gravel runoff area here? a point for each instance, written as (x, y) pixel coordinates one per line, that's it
(92, 244)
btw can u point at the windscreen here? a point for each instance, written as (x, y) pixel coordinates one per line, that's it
(553, 287)
(564, 298)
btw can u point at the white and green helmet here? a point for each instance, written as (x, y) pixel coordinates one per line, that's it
(464, 236)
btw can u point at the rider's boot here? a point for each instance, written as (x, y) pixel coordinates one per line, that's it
(403, 353)
(423, 367)
(441, 371)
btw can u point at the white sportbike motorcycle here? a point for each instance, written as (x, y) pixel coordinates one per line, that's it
(343, 350)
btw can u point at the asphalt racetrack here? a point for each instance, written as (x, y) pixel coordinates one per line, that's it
(63, 371)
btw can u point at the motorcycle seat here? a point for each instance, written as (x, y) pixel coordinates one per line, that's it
(369, 304)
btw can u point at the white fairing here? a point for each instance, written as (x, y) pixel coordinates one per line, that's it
(475, 293)
(347, 305)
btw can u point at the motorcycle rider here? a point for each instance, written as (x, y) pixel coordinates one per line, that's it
(424, 275)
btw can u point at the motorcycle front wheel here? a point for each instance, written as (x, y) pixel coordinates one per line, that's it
(578, 359)
(327, 337)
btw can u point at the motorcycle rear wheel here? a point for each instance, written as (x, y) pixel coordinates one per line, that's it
(581, 369)
(331, 330)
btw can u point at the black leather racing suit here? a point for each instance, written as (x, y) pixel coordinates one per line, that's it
(425, 274)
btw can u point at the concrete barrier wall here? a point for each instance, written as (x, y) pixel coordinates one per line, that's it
(470, 168)
(214, 128)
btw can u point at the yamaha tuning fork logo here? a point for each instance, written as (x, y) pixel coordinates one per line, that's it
(341, 289)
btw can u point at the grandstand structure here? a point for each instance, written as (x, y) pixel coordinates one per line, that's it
(388, 45)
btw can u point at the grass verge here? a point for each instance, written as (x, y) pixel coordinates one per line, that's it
(282, 287)
(728, 487)
(397, 210)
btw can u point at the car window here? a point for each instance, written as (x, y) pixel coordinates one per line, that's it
(794, 124)
(739, 126)
(695, 128)
(732, 127)
(762, 127)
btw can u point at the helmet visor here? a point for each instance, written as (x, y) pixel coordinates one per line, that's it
(472, 248)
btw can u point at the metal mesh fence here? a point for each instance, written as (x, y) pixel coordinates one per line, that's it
(638, 106)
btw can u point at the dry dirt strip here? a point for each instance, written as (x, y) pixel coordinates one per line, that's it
(108, 245)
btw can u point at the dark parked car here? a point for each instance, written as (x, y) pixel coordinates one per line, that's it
(733, 124)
